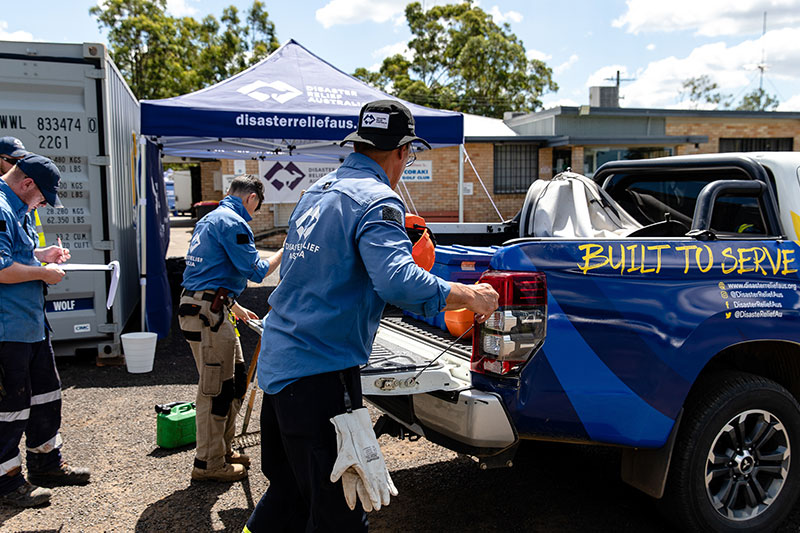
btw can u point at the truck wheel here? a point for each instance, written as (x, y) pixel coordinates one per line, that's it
(732, 468)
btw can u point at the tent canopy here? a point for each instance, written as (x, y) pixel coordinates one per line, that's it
(290, 103)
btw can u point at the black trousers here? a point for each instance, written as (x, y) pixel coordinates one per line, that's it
(32, 406)
(298, 451)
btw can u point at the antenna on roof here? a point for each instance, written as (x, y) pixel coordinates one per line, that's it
(762, 67)
(619, 80)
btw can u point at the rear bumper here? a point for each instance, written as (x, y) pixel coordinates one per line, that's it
(466, 421)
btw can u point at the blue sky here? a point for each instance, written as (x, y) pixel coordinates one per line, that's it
(659, 44)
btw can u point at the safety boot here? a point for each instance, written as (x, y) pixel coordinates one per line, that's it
(225, 473)
(27, 495)
(236, 458)
(61, 476)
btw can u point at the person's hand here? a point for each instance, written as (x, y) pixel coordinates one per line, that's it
(51, 274)
(484, 302)
(242, 313)
(53, 254)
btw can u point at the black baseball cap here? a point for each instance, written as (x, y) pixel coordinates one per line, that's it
(12, 147)
(44, 173)
(386, 125)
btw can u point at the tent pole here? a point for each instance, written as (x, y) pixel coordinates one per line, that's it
(461, 183)
(143, 227)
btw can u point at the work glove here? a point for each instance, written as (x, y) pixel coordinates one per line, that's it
(360, 453)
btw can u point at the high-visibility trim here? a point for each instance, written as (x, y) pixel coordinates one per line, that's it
(48, 446)
(39, 228)
(47, 397)
(245, 530)
(13, 416)
(10, 465)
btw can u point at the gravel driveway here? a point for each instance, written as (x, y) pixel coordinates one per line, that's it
(109, 425)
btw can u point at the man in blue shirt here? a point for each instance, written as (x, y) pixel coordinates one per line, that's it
(347, 254)
(222, 256)
(30, 389)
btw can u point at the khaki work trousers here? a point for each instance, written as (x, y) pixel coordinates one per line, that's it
(218, 357)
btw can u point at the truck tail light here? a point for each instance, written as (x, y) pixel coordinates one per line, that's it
(513, 333)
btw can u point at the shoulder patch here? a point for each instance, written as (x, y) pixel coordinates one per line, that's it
(390, 213)
(3, 226)
(242, 238)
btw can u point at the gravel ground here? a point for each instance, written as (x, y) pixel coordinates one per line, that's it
(109, 425)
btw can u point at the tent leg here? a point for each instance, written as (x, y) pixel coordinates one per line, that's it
(461, 183)
(143, 227)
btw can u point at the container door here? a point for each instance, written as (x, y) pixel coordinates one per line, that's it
(52, 107)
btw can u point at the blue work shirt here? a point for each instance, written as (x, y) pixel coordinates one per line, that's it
(21, 304)
(222, 252)
(346, 254)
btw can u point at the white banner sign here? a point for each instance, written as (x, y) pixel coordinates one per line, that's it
(283, 180)
(239, 167)
(419, 171)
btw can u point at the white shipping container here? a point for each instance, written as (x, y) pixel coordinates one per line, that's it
(70, 103)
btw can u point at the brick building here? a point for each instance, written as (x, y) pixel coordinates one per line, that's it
(509, 154)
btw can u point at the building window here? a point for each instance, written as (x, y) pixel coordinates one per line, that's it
(593, 158)
(767, 144)
(516, 166)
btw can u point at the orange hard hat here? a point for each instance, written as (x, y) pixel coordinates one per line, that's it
(422, 240)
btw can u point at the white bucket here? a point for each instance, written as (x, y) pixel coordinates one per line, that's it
(140, 350)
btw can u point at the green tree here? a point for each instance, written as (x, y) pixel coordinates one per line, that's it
(162, 56)
(701, 89)
(758, 100)
(463, 60)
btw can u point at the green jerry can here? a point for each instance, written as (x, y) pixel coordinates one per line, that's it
(175, 424)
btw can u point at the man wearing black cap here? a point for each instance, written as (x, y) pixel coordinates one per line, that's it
(30, 389)
(11, 150)
(346, 254)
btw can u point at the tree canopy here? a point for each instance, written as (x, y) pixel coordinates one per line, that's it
(161, 56)
(701, 90)
(462, 60)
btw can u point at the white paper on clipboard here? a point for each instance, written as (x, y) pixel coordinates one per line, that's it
(113, 266)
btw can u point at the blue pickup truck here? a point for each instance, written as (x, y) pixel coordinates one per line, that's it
(678, 341)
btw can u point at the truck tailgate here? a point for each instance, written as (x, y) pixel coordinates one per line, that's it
(401, 357)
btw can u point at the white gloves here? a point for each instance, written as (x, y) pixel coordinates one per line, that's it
(360, 462)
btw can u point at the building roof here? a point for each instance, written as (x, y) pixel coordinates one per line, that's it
(483, 127)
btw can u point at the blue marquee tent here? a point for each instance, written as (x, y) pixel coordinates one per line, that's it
(291, 103)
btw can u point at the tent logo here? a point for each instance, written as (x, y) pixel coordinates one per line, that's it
(281, 91)
(293, 180)
(312, 217)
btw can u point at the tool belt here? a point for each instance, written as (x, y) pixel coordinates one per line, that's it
(219, 298)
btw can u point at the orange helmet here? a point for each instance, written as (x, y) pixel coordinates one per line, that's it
(422, 240)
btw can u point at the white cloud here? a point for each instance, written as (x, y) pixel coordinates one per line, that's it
(18, 35)
(708, 17)
(181, 8)
(549, 103)
(537, 54)
(651, 47)
(731, 67)
(792, 104)
(356, 11)
(392, 49)
(509, 16)
(563, 67)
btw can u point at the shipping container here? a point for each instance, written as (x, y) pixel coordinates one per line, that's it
(70, 103)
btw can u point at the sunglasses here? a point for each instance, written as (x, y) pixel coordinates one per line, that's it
(8, 160)
(412, 156)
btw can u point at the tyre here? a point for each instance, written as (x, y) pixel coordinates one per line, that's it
(733, 467)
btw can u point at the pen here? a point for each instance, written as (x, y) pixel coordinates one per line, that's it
(60, 246)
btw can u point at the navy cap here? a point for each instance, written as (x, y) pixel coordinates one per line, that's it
(44, 173)
(12, 147)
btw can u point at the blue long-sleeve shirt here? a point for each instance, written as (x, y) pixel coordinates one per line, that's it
(21, 304)
(346, 254)
(222, 252)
